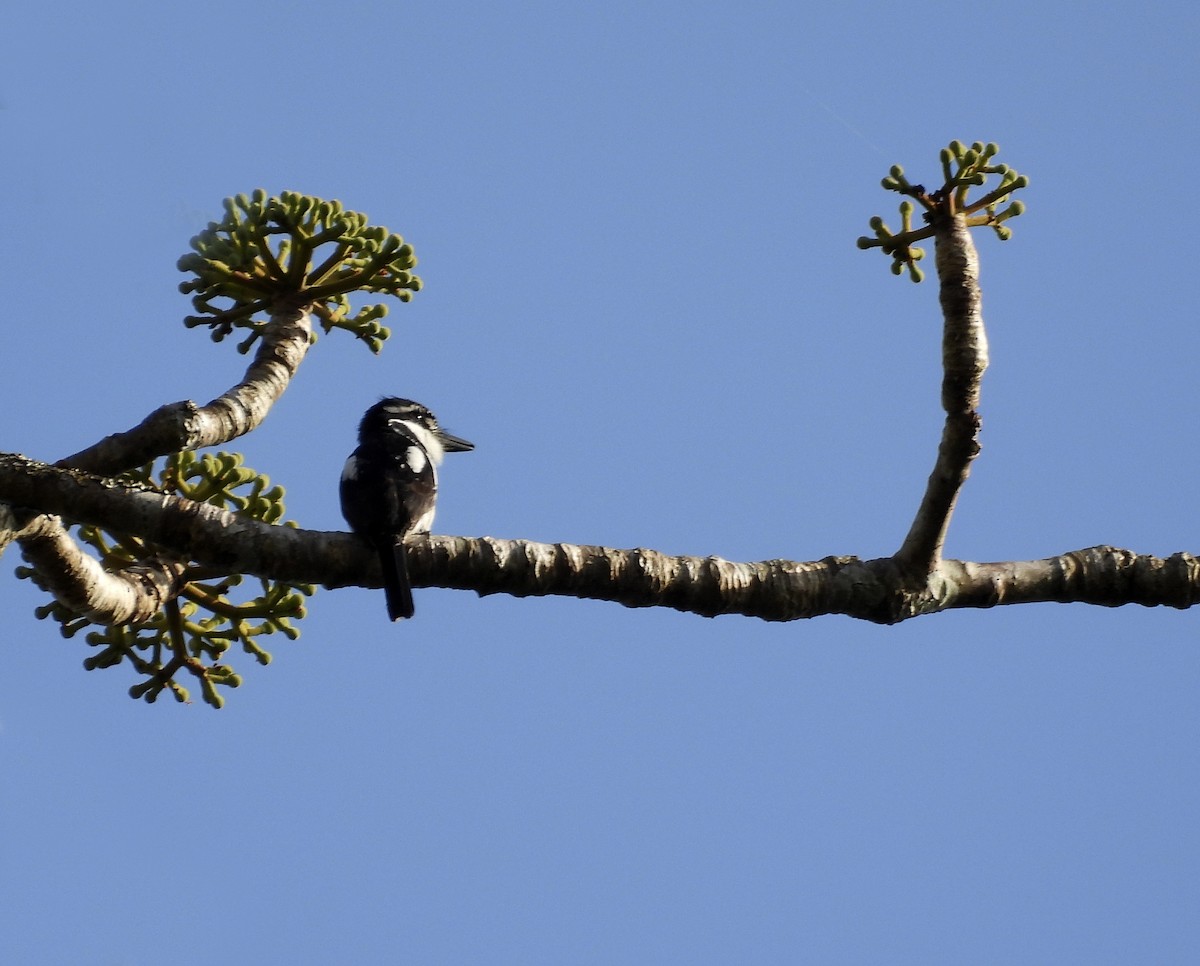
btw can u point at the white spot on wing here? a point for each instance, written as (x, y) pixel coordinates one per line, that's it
(350, 470)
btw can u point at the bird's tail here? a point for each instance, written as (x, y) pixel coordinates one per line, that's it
(394, 563)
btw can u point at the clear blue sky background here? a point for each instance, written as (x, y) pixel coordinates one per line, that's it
(636, 225)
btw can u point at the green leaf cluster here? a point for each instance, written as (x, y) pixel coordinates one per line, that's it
(271, 253)
(195, 631)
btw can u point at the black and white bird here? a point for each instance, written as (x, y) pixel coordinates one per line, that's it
(389, 486)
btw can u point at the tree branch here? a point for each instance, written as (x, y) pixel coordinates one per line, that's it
(184, 425)
(964, 360)
(79, 581)
(880, 590)
(76, 578)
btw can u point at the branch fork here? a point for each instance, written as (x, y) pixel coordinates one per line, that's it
(195, 541)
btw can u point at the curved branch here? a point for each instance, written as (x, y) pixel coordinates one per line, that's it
(185, 425)
(79, 581)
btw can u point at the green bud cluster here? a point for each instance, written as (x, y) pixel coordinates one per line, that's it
(963, 168)
(195, 631)
(293, 250)
(222, 480)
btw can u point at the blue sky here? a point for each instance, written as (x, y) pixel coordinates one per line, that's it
(643, 303)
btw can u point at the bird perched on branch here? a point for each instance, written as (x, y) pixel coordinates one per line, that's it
(389, 486)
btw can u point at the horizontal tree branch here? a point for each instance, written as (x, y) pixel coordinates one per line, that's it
(879, 590)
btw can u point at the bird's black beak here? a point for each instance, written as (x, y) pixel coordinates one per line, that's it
(454, 444)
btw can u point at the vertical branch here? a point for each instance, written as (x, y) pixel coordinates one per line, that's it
(948, 219)
(964, 359)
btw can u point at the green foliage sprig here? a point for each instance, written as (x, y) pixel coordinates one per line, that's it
(962, 169)
(194, 632)
(293, 250)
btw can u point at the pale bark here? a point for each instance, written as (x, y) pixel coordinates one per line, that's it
(915, 581)
(76, 578)
(878, 590)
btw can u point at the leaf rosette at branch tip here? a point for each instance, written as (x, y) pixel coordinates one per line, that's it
(963, 168)
(195, 630)
(272, 253)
